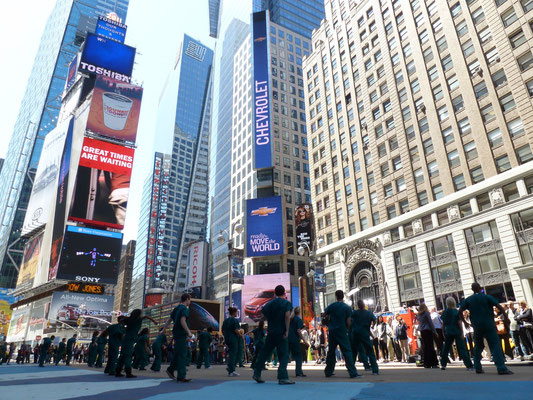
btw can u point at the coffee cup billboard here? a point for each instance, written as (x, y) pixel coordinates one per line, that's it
(115, 109)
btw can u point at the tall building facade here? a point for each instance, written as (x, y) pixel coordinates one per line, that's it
(63, 34)
(300, 16)
(123, 286)
(420, 141)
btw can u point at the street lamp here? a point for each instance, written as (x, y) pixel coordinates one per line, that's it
(238, 228)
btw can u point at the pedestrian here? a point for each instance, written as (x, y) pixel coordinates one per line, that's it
(3, 351)
(204, 341)
(70, 345)
(142, 350)
(10, 352)
(362, 320)
(36, 352)
(240, 348)
(482, 316)
(468, 332)
(180, 333)
(295, 337)
(339, 314)
(47, 342)
(525, 319)
(403, 339)
(259, 341)
(452, 332)
(93, 350)
(60, 351)
(157, 349)
(503, 331)
(304, 345)
(278, 315)
(101, 341)
(427, 333)
(115, 333)
(232, 337)
(437, 323)
(382, 332)
(133, 325)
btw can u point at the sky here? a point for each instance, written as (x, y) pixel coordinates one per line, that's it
(155, 28)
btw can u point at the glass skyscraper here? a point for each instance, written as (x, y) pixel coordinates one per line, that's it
(64, 32)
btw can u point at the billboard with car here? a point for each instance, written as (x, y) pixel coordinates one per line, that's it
(67, 308)
(258, 290)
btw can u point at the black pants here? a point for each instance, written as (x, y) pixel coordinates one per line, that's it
(430, 356)
(384, 349)
(375, 344)
(439, 341)
(527, 339)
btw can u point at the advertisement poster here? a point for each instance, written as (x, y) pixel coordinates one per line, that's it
(45, 182)
(262, 120)
(110, 29)
(303, 218)
(37, 321)
(30, 261)
(258, 290)
(115, 109)
(67, 307)
(102, 184)
(264, 227)
(320, 276)
(237, 266)
(90, 255)
(306, 300)
(5, 312)
(236, 302)
(195, 263)
(103, 56)
(18, 324)
(72, 70)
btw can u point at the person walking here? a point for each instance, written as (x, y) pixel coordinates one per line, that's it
(36, 353)
(437, 323)
(259, 341)
(70, 345)
(362, 320)
(47, 342)
(93, 349)
(427, 332)
(232, 337)
(240, 348)
(481, 308)
(453, 332)
(295, 336)
(114, 332)
(3, 351)
(278, 315)
(157, 349)
(101, 341)
(180, 334)
(204, 341)
(60, 351)
(338, 327)
(403, 339)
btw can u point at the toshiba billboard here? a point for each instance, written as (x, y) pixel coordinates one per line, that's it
(196, 253)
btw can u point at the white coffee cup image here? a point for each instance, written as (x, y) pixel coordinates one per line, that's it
(116, 109)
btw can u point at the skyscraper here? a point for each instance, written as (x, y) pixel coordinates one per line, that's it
(63, 34)
(420, 141)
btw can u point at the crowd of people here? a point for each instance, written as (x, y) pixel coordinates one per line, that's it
(474, 330)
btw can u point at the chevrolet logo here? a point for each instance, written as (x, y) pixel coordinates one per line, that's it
(263, 211)
(260, 39)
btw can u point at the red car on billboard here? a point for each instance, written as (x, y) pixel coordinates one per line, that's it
(68, 312)
(253, 309)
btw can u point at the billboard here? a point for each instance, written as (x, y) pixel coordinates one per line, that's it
(71, 76)
(320, 277)
(67, 307)
(237, 266)
(30, 261)
(107, 57)
(306, 300)
(258, 290)
(37, 321)
(5, 311)
(18, 324)
(115, 109)
(45, 182)
(236, 301)
(110, 29)
(102, 184)
(264, 227)
(195, 263)
(90, 255)
(303, 218)
(261, 88)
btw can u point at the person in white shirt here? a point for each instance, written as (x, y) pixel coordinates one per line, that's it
(437, 323)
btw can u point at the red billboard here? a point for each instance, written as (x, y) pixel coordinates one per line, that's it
(102, 184)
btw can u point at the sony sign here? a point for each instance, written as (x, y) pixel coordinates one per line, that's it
(195, 264)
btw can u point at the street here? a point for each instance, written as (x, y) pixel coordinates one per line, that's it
(395, 381)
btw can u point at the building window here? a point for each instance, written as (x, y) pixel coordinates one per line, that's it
(515, 127)
(438, 192)
(422, 198)
(502, 163)
(464, 126)
(453, 83)
(447, 63)
(517, 38)
(477, 174)
(470, 151)
(453, 159)
(495, 138)
(524, 154)
(419, 176)
(459, 182)
(433, 169)
(525, 60)
(443, 113)
(508, 17)
(407, 271)
(507, 102)
(523, 227)
(487, 113)
(499, 78)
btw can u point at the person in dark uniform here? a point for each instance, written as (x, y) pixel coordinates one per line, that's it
(259, 341)
(232, 336)
(157, 349)
(3, 351)
(133, 325)
(47, 342)
(481, 308)
(70, 346)
(453, 332)
(93, 350)
(60, 351)
(204, 341)
(101, 341)
(361, 321)
(142, 350)
(278, 315)
(115, 333)
(180, 334)
(295, 335)
(36, 352)
(338, 327)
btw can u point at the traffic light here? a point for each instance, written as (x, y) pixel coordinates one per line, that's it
(80, 320)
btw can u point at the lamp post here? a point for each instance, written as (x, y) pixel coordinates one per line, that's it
(312, 264)
(238, 228)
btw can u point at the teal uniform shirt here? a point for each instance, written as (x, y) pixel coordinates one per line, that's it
(259, 335)
(274, 312)
(176, 315)
(47, 342)
(70, 344)
(295, 325)
(101, 342)
(361, 321)
(204, 339)
(229, 326)
(160, 340)
(115, 334)
(132, 330)
(61, 348)
(338, 313)
(481, 308)
(450, 319)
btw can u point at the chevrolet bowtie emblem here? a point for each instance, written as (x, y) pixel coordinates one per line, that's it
(260, 39)
(264, 211)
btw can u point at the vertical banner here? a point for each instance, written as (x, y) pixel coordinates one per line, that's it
(264, 227)
(261, 89)
(303, 216)
(306, 300)
(5, 311)
(30, 262)
(195, 264)
(320, 277)
(237, 266)
(236, 301)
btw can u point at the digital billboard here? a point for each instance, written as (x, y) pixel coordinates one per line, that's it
(261, 88)
(236, 301)
(5, 310)
(237, 266)
(264, 227)
(107, 57)
(196, 253)
(102, 186)
(45, 182)
(18, 324)
(71, 76)
(67, 307)
(320, 276)
(30, 262)
(110, 29)
(115, 109)
(306, 300)
(90, 255)
(258, 290)
(303, 219)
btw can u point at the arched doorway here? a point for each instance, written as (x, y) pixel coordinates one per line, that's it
(364, 284)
